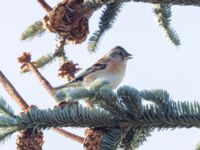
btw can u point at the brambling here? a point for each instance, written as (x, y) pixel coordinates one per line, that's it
(110, 68)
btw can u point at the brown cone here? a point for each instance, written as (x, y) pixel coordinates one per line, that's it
(68, 69)
(67, 20)
(92, 139)
(27, 140)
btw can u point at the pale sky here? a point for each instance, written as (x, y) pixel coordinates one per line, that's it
(156, 63)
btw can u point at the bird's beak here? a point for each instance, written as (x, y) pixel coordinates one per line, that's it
(129, 56)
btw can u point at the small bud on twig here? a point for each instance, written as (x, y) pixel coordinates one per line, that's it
(68, 70)
(24, 59)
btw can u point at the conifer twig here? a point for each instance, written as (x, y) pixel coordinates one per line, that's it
(44, 5)
(35, 29)
(22, 142)
(69, 135)
(59, 49)
(51, 91)
(24, 106)
(42, 80)
(12, 92)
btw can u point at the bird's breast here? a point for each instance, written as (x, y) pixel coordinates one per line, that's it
(114, 78)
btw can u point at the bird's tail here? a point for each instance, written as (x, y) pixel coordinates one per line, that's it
(67, 85)
(60, 87)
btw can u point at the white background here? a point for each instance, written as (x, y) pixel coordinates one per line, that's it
(156, 64)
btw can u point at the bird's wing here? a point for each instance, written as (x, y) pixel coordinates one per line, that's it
(96, 67)
(101, 64)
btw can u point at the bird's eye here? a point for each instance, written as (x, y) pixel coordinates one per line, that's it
(120, 53)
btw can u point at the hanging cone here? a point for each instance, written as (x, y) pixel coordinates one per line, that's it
(29, 140)
(69, 19)
(92, 139)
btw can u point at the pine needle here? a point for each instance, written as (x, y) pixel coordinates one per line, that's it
(5, 133)
(41, 62)
(36, 29)
(5, 109)
(106, 21)
(163, 14)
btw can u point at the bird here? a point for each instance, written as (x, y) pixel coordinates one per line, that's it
(110, 68)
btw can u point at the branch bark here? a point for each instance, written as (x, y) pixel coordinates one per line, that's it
(45, 6)
(13, 92)
(51, 91)
(24, 106)
(69, 135)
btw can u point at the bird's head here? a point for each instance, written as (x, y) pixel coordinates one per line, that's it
(119, 54)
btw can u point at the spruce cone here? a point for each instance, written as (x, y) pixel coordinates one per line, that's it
(93, 139)
(24, 59)
(69, 19)
(68, 69)
(27, 140)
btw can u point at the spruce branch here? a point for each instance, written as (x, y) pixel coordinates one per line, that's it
(140, 136)
(163, 14)
(20, 101)
(59, 49)
(99, 3)
(73, 115)
(5, 109)
(172, 110)
(173, 115)
(69, 135)
(12, 92)
(36, 29)
(96, 3)
(159, 97)
(111, 139)
(45, 5)
(8, 121)
(107, 19)
(134, 138)
(8, 125)
(103, 98)
(42, 80)
(6, 132)
(26, 60)
(132, 100)
(40, 63)
(49, 58)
